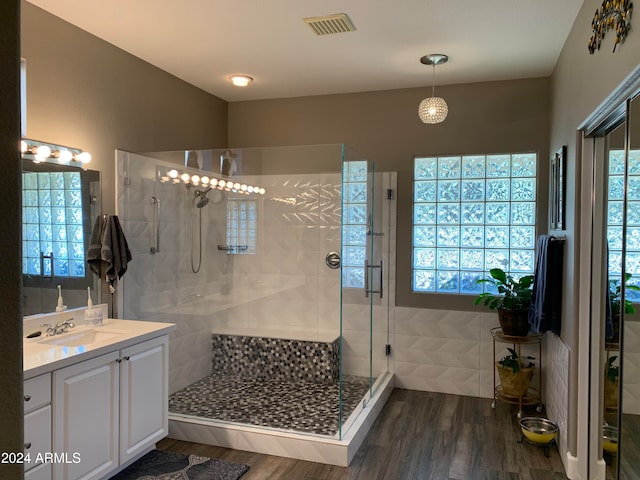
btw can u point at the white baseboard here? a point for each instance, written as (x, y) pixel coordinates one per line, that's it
(601, 470)
(572, 468)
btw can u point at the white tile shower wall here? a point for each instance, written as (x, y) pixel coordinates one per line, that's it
(556, 387)
(155, 285)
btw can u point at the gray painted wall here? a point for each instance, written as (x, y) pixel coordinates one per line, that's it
(492, 117)
(579, 84)
(86, 93)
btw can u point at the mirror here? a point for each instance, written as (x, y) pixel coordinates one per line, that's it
(614, 186)
(629, 414)
(60, 205)
(617, 150)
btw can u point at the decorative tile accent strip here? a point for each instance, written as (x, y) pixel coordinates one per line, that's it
(276, 359)
(298, 406)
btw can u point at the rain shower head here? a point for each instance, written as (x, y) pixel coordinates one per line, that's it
(202, 196)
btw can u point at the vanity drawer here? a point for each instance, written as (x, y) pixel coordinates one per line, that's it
(37, 435)
(37, 392)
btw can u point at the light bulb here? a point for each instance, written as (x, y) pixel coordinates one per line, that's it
(240, 80)
(185, 177)
(43, 152)
(262, 191)
(195, 179)
(173, 173)
(222, 183)
(236, 186)
(84, 157)
(65, 156)
(243, 187)
(250, 189)
(205, 180)
(213, 182)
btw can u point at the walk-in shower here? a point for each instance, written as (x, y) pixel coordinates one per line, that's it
(270, 334)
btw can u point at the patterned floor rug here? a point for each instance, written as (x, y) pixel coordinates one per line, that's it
(161, 465)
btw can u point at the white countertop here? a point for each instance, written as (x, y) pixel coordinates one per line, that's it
(42, 356)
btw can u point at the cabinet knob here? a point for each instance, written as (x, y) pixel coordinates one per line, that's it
(118, 360)
(27, 445)
(127, 357)
(27, 398)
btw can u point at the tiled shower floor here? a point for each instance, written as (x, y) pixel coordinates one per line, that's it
(298, 406)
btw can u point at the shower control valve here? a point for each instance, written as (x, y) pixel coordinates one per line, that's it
(333, 260)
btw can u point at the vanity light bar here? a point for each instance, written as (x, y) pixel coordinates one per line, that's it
(228, 185)
(48, 152)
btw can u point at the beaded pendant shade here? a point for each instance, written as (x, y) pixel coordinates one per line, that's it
(433, 109)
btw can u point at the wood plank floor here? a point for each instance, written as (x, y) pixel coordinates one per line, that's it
(418, 436)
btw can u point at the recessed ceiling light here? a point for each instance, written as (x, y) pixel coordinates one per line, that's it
(240, 80)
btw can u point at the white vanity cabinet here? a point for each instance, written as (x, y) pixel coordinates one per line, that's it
(37, 426)
(109, 409)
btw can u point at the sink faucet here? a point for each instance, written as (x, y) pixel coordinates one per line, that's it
(58, 328)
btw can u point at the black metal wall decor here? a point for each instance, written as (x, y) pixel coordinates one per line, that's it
(613, 14)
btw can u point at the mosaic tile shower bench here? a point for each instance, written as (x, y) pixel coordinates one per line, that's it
(265, 358)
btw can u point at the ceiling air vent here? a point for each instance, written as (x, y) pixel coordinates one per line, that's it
(329, 24)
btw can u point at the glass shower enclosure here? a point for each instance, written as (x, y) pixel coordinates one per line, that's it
(274, 265)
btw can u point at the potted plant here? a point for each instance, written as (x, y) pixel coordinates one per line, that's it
(515, 375)
(615, 292)
(611, 387)
(512, 301)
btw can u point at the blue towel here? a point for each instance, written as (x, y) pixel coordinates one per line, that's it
(545, 312)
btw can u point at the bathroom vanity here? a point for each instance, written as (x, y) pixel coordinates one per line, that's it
(96, 398)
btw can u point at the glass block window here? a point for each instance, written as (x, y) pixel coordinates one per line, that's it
(354, 223)
(615, 217)
(242, 221)
(470, 214)
(52, 224)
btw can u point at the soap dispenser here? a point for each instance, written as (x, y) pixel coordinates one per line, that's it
(61, 307)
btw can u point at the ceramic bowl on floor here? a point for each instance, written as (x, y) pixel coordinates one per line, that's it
(538, 430)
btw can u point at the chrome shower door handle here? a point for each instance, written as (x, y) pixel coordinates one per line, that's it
(366, 278)
(155, 222)
(367, 268)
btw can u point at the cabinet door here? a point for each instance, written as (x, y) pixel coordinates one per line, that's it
(144, 396)
(41, 472)
(85, 419)
(37, 435)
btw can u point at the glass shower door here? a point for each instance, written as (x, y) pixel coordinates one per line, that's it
(363, 320)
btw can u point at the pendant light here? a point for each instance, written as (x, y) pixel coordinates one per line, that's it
(433, 109)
